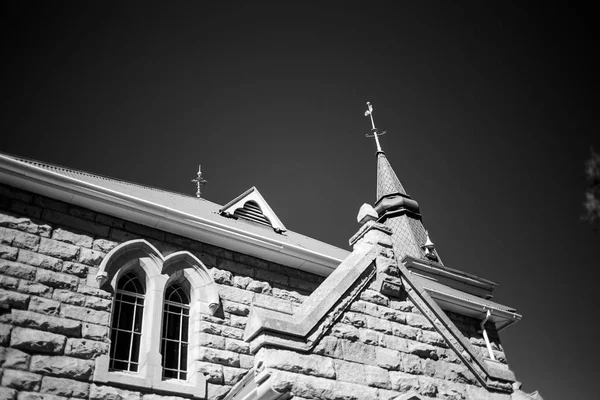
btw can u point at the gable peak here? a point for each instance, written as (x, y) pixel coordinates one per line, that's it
(252, 206)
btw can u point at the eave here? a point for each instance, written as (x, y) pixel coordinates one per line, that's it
(95, 197)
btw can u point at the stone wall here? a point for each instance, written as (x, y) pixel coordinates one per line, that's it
(54, 321)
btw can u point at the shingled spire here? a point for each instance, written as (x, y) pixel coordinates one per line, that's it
(387, 181)
(395, 207)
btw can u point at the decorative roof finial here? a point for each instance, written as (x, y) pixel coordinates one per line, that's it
(199, 181)
(429, 248)
(376, 133)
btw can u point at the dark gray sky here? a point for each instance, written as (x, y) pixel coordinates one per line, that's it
(490, 113)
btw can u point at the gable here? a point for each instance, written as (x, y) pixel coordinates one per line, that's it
(370, 328)
(251, 206)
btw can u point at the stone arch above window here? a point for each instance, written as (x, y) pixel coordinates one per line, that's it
(156, 274)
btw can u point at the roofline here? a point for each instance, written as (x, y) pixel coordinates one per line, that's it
(439, 269)
(71, 190)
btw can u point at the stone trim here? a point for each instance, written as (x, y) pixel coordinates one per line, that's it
(271, 324)
(157, 272)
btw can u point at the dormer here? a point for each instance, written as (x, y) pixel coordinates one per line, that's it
(251, 206)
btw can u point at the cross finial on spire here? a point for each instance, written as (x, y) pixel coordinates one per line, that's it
(376, 132)
(199, 181)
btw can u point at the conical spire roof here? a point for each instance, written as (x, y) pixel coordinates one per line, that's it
(387, 181)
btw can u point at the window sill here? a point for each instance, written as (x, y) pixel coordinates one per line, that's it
(193, 387)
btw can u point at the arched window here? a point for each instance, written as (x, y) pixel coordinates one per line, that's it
(126, 328)
(174, 340)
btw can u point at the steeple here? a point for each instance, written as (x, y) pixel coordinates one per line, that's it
(396, 209)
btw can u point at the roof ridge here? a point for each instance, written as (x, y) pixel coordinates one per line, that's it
(48, 165)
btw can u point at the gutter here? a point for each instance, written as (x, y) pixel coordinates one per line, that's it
(30, 177)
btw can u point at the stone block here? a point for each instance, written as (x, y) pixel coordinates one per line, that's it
(94, 332)
(237, 346)
(216, 356)
(26, 241)
(33, 320)
(13, 358)
(418, 321)
(235, 267)
(358, 352)
(231, 332)
(288, 295)
(92, 291)
(8, 253)
(235, 294)
(246, 361)
(216, 392)
(235, 308)
(350, 372)
(21, 380)
(7, 282)
(411, 365)
(58, 249)
(14, 299)
(241, 281)
(368, 336)
(5, 334)
(295, 362)
(402, 382)
(62, 366)
(104, 245)
(378, 324)
(34, 288)
(98, 303)
(67, 296)
(374, 297)
(7, 235)
(57, 279)
(329, 346)
(388, 358)
(37, 341)
(421, 349)
(212, 341)
(405, 331)
(7, 393)
(110, 393)
(231, 375)
(345, 331)
(90, 257)
(85, 348)
(64, 387)
(237, 321)
(39, 260)
(259, 287)
(17, 270)
(85, 314)
(377, 377)
(77, 269)
(76, 239)
(212, 372)
(43, 306)
(221, 276)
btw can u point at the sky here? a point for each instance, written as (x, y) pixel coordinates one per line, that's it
(490, 113)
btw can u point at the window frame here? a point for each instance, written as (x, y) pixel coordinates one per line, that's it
(156, 273)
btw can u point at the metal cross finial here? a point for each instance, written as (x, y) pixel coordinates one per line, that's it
(376, 132)
(199, 181)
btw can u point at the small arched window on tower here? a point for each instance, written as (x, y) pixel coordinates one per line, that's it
(174, 339)
(126, 328)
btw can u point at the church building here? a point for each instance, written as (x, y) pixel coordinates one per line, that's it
(115, 290)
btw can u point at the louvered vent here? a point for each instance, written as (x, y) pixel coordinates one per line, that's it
(252, 212)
